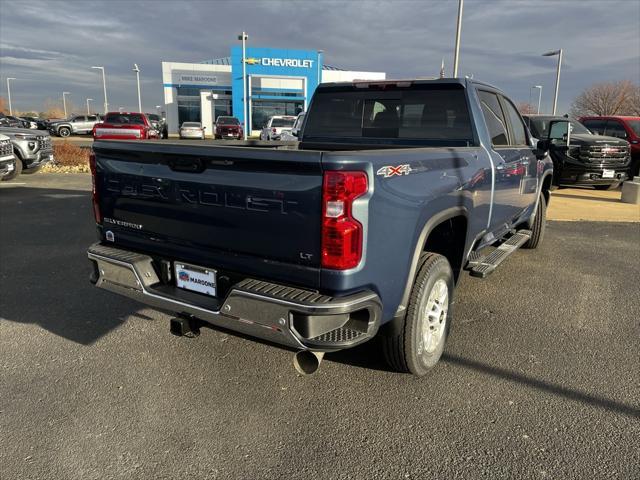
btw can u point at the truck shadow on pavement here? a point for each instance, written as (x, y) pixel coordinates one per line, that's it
(554, 388)
(369, 356)
(44, 271)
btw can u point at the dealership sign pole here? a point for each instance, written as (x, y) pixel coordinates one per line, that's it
(88, 109)
(244, 38)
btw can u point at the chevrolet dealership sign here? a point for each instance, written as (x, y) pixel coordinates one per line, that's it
(279, 62)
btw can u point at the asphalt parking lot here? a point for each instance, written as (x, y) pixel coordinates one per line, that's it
(541, 376)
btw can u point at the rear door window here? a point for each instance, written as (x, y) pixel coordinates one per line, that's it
(518, 131)
(494, 117)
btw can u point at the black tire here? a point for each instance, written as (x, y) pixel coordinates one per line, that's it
(16, 171)
(64, 132)
(403, 349)
(539, 224)
(32, 170)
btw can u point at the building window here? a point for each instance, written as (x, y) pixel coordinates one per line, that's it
(262, 110)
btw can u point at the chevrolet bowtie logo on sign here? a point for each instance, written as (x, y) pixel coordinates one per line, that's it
(279, 62)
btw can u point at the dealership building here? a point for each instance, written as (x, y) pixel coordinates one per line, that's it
(277, 82)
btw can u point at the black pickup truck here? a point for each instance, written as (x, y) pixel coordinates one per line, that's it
(580, 157)
(361, 229)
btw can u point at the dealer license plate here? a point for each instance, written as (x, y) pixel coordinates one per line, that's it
(196, 279)
(608, 173)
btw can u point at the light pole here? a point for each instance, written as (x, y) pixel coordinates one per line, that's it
(88, 109)
(104, 86)
(9, 94)
(553, 53)
(539, 87)
(64, 103)
(137, 70)
(458, 32)
(244, 37)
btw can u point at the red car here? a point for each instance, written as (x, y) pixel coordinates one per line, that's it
(124, 126)
(228, 127)
(627, 128)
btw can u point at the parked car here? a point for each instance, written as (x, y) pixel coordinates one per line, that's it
(159, 124)
(191, 130)
(626, 128)
(364, 228)
(31, 148)
(228, 127)
(124, 126)
(275, 125)
(7, 159)
(292, 135)
(78, 124)
(12, 121)
(588, 159)
(40, 123)
(29, 122)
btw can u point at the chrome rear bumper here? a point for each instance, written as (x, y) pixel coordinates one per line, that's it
(276, 313)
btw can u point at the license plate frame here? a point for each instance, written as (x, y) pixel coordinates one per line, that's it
(608, 173)
(195, 278)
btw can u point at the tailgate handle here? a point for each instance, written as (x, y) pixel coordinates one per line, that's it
(193, 165)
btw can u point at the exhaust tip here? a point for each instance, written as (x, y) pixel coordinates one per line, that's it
(307, 362)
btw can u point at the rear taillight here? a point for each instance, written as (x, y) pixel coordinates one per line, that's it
(341, 232)
(94, 189)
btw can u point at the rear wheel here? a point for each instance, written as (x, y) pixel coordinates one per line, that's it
(17, 170)
(538, 225)
(64, 131)
(418, 341)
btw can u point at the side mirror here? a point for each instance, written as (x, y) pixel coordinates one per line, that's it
(542, 149)
(294, 132)
(560, 131)
(204, 128)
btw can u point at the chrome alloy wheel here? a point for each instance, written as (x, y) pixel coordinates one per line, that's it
(434, 319)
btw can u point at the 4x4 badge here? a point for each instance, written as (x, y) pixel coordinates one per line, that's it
(390, 171)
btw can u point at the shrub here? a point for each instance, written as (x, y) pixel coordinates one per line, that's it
(68, 158)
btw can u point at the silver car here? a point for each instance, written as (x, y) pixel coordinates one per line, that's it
(292, 135)
(274, 127)
(192, 130)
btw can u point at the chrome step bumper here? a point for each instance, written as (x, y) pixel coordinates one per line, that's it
(289, 316)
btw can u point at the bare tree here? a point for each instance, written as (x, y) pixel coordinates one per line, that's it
(53, 109)
(610, 98)
(525, 108)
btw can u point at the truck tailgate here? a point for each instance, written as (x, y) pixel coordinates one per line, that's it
(212, 202)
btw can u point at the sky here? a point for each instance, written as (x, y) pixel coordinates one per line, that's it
(49, 46)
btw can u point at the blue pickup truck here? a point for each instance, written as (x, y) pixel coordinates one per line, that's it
(361, 229)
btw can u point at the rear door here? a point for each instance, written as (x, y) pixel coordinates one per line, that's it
(507, 200)
(214, 206)
(521, 152)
